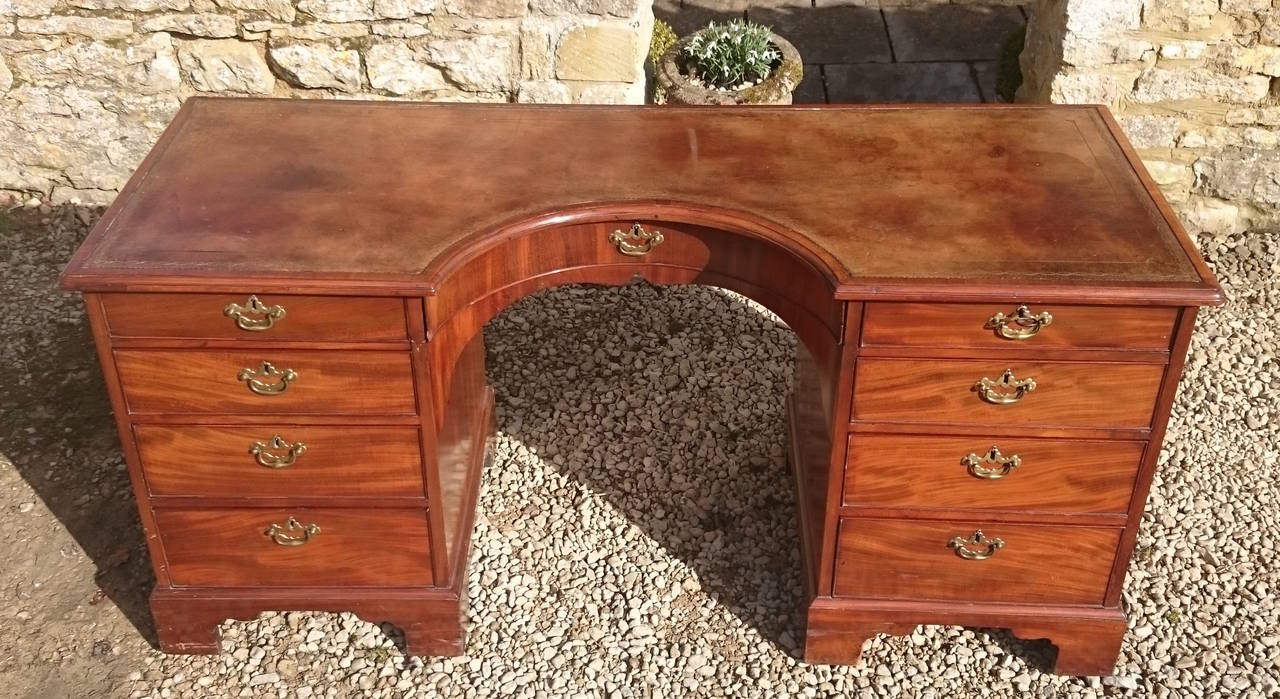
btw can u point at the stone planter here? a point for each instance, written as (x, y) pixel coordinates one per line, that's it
(677, 88)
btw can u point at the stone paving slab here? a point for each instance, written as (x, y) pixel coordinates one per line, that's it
(901, 82)
(987, 71)
(690, 17)
(811, 89)
(829, 34)
(951, 32)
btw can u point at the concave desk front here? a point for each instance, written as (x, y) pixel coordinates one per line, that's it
(993, 304)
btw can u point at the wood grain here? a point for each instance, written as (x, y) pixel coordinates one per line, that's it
(1019, 194)
(328, 383)
(1056, 475)
(1068, 394)
(316, 318)
(910, 559)
(208, 461)
(354, 548)
(947, 325)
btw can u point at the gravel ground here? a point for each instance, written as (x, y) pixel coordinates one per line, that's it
(635, 535)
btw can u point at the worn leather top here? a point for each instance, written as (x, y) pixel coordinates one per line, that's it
(377, 190)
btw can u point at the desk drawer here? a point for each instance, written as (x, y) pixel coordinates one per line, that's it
(913, 560)
(315, 382)
(945, 325)
(260, 318)
(1067, 394)
(306, 461)
(1037, 475)
(358, 548)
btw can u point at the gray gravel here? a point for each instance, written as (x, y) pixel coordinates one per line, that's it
(635, 535)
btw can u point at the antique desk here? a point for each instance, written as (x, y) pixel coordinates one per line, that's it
(993, 306)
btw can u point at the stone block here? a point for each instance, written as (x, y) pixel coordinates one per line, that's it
(479, 63)
(317, 66)
(1168, 173)
(400, 30)
(225, 65)
(543, 92)
(147, 67)
(1164, 85)
(1179, 15)
(1150, 131)
(100, 28)
(537, 56)
(6, 76)
(577, 8)
(399, 70)
(1240, 174)
(319, 31)
(602, 53)
(1094, 52)
(205, 24)
(606, 93)
(1092, 18)
(1108, 85)
(338, 10)
(402, 9)
(31, 8)
(1201, 215)
(487, 8)
(132, 5)
(282, 10)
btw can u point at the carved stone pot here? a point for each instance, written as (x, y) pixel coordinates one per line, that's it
(678, 88)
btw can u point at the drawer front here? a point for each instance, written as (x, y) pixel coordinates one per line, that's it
(1067, 394)
(306, 461)
(912, 560)
(971, 326)
(272, 317)
(322, 383)
(1040, 475)
(359, 548)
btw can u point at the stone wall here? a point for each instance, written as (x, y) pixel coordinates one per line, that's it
(86, 86)
(1194, 83)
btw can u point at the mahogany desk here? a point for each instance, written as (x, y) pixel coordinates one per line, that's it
(993, 303)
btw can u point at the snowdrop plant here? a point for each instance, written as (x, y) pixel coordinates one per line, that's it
(731, 54)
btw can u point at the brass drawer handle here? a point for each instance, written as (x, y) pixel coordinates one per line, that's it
(991, 466)
(264, 457)
(976, 547)
(1021, 325)
(285, 536)
(1004, 390)
(637, 242)
(264, 388)
(254, 307)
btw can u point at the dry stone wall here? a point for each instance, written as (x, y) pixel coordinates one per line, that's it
(86, 86)
(1194, 83)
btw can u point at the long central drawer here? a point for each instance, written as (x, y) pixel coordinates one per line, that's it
(1013, 392)
(267, 382)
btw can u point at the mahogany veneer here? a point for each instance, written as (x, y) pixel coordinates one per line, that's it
(357, 250)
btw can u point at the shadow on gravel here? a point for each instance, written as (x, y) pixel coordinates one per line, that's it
(55, 421)
(731, 518)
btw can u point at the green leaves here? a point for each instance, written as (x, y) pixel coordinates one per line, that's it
(730, 54)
